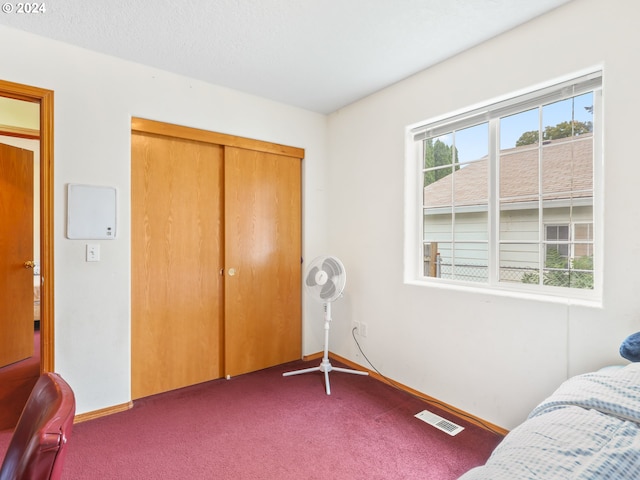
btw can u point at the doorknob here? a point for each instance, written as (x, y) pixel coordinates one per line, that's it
(29, 264)
(232, 272)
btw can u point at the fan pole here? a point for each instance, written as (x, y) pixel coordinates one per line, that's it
(325, 366)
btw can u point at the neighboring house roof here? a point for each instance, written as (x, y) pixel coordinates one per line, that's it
(567, 172)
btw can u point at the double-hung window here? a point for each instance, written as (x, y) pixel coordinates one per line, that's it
(507, 194)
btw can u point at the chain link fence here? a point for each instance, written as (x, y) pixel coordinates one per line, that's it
(572, 278)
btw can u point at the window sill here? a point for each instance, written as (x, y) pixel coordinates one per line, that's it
(592, 301)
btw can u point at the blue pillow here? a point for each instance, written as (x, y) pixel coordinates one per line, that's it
(630, 347)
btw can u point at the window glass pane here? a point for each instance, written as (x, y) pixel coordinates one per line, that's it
(519, 224)
(471, 186)
(557, 261)
(437, 228)
(581, 279)
(582, 250)
(557, 244)
(557, 255)
(465, 261)
(431, 259)
(519, 175)
(568, 118)
(582, 273)
(519, 263)
(583, 112)
(438, 187)
(583, 231)
(556, 276)
(520, 129)
(556, 219)
(582, 217)
(472, 143)
(567, 168)
(557, 120)
(443, 255)
(563, 232)
(438, 151)
(471, 226)
(469, 262)
(455, 205)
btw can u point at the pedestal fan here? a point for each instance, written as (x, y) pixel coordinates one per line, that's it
(325, 281)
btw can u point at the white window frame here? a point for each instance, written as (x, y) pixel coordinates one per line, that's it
(573, 85)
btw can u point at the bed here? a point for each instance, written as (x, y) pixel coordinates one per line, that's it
(589, 428)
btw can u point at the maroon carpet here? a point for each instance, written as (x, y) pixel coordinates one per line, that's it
(16, 382)
(264, 426)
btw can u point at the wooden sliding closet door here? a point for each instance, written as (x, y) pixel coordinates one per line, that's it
(262, 260)
(177, 257)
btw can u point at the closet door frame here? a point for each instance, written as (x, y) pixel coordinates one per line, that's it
(144, 126)
(178, 131)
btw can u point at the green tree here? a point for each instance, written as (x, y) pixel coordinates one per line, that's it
(556, 269)
(438, 154)
(528, 138)
(567, 129)
(559, 274)
(583, 278)
(561, 130)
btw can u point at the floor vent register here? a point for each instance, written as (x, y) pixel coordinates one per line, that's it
(439, 422)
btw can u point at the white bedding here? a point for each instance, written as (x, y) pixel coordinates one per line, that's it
(587, 429)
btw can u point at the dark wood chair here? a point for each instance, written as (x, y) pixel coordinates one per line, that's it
(38, 444)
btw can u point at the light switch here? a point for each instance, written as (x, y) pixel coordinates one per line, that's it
(93, 252)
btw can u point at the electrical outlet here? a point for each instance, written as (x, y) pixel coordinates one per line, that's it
(363, 330)
(356, 325)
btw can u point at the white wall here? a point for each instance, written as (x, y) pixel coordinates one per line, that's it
(493, 356)
(95, 98)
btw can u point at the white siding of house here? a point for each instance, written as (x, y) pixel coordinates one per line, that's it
(471, 237)
(523, 226)
(471, 248)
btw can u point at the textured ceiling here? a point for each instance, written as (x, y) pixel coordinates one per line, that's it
(319, 55)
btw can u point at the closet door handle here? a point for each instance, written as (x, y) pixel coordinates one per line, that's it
(232, 272)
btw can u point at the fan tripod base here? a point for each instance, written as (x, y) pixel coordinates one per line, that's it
(325, 367)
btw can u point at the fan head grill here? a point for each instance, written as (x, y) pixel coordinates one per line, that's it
(325, 278)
